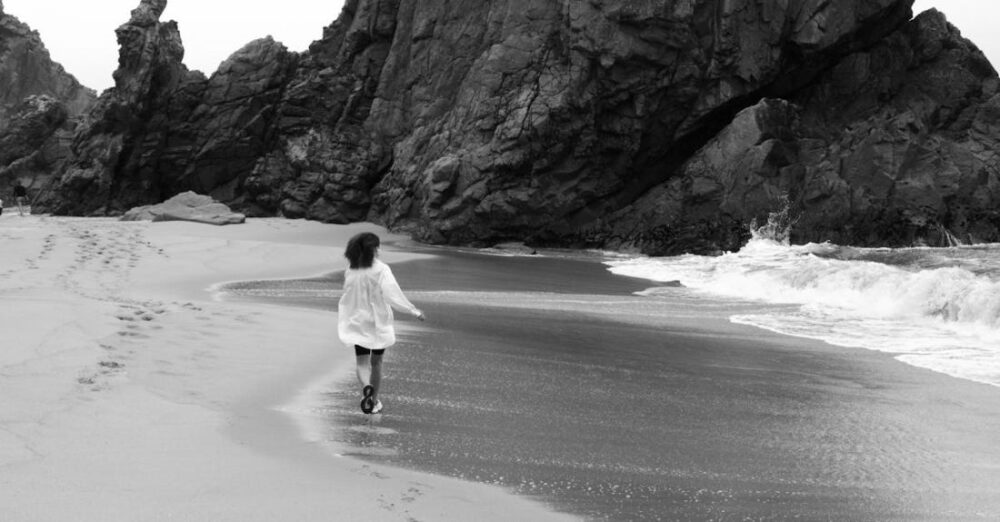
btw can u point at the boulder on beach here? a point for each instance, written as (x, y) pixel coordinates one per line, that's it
(187, 206)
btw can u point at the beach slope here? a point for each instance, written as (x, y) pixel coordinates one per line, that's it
(130, 394)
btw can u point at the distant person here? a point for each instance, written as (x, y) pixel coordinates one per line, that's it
(365, 313)
(20, 195)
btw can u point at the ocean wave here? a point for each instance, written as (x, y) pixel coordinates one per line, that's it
(857, 288)
(937, 308)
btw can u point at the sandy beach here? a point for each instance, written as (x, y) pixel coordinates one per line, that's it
(130, 394)
(549, 376)
(133, 391)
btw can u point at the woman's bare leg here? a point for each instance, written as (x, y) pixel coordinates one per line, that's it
(364, 369)
(376, 372)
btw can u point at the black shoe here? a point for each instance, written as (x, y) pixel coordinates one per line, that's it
(367, 403)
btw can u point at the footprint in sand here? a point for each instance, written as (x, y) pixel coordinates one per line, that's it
(132, 335)
(48, 245)
(412, 495)
(104, 376)
(138, 319)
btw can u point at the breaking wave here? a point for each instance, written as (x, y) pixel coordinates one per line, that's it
(937, 308)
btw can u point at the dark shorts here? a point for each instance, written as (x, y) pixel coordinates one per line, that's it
(361, 350)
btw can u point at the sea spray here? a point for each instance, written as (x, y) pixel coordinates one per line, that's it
(939, 308)
(777, 229)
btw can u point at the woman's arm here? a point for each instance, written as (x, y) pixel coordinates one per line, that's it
(394, 294)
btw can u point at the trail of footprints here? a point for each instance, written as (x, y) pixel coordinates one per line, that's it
(137, 321)
(48, 244)
(32, 262)
(112, 250)
(104, 254)
(399, 505)
(140, 323)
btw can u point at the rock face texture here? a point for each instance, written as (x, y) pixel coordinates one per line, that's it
(26, 69)
(895, 145)
(40, 105)
(187, 206)
(34, 142)
(163, 129)
(658, 125)
(128, 118)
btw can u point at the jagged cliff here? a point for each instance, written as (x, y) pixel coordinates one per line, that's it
(26, 70)
(39, 105)
(662, 125)
(895, 145)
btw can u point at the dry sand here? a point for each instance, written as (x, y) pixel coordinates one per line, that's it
(130, 394)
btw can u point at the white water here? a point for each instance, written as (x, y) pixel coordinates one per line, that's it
(937, 308)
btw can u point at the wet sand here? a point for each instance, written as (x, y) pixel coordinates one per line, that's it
(549, 377)
(129, 393)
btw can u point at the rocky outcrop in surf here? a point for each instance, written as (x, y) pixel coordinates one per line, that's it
(663, 126)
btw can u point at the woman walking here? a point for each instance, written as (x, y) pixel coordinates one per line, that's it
(365, 313)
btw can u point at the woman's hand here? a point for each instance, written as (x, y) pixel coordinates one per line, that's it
(421, 316)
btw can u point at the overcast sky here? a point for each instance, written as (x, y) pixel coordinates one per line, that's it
(80, 34)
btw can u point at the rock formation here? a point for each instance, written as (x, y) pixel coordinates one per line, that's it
(128, 117)
(187, 206)
(40, 105)
(26, 69)
(30, 126)
(660, 125)
(163, 129)
(895, 145)
(35, 142)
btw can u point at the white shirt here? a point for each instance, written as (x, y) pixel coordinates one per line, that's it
(365, 309)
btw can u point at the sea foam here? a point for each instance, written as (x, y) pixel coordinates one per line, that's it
(936, 308)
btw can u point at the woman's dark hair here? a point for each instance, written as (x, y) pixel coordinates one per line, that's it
(360, 250)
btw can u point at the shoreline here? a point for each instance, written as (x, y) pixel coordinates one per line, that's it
(841, 430)
(134, 396)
